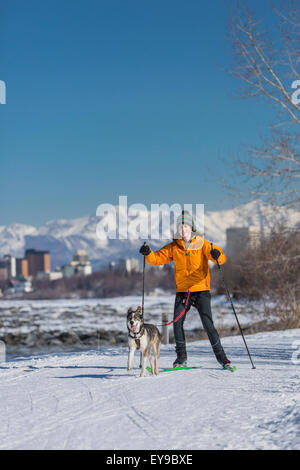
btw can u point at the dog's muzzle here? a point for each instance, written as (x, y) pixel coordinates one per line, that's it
(133, 328)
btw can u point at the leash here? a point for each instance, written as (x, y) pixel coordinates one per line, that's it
(181, 313)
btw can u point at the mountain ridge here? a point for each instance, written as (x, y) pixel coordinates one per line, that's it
(62, 237)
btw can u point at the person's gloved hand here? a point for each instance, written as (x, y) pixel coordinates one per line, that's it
(215, 253)
(145, 250)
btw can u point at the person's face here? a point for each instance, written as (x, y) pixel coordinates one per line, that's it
(185, 232)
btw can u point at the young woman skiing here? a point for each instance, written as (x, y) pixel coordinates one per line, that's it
(190, 253)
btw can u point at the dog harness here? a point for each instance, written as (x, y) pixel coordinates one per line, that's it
(137, 340)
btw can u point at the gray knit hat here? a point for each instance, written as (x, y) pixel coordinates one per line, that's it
(186, 218)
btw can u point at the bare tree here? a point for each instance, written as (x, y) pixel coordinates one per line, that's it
(266, 60)
(271, 272)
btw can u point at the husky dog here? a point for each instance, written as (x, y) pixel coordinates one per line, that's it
(143, 337)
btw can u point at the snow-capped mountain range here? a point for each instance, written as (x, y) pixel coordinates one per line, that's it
(63, 237)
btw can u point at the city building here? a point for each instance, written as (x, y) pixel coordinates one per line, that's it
(22, 267)
(81, 257)
(79, 265)
(128, 265)
(18, 287)
(3, 271)
(112, 265)
(11, 266)
(7, 267)
(84, 269)
(68, 270)
(240, 238)
(49, 276)
(38, 261)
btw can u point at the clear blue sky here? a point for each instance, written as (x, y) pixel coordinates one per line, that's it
(109, 98)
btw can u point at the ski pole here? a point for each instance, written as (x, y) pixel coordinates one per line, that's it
(143, 295)
(228, 295)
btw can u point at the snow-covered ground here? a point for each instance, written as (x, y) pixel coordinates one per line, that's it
(90, 401)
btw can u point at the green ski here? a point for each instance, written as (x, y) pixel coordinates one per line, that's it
(175, 368)
(229, 367)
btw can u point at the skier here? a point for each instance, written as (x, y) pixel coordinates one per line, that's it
(190, 253)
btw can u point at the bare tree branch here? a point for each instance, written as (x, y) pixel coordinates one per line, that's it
(264, 61)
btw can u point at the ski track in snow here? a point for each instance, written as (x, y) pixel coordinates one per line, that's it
(90, 401)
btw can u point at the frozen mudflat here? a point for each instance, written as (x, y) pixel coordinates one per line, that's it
(31, 327)
(90, 401)
(26, 316)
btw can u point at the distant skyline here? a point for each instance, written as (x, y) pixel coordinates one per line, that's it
(110, 98)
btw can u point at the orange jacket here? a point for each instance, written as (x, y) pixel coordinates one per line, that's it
(191, 264)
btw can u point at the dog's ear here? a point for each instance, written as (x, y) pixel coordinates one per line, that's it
(129, 310)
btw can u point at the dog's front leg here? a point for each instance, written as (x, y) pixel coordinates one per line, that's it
(130, 358)
(151, 364)
(156, 365)
(143, 372)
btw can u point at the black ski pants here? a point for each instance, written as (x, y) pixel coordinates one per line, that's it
(202, 302)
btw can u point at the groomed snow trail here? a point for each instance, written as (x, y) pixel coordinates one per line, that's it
(90, 401)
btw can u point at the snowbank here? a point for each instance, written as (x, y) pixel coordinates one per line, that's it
(90, 400)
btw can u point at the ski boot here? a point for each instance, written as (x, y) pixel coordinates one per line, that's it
(181, 359)
(178, 363)
(222, 359)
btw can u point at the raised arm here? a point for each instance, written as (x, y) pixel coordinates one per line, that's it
(208, 249)
(162, 256)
